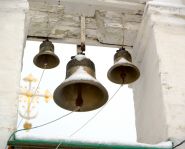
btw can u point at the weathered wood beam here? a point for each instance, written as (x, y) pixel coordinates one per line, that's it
(88, 42)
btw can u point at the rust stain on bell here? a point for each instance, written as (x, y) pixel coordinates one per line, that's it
(80, 89)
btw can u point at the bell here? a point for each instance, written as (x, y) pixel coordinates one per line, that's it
(46, 58)
(80, 89)
(123, 71)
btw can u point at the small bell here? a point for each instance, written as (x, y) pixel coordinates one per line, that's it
(46, 58)
(80, 89)
(123, 71)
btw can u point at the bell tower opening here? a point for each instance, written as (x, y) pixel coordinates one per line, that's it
(116, 120)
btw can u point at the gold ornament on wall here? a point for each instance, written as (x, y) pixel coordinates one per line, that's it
(29, 99)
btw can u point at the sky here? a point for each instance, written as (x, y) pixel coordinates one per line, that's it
(115, 123)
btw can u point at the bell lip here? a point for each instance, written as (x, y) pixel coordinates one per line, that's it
(125, 64)
(47, 53)
(64, 84)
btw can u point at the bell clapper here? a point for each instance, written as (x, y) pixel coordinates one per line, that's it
(77, 108)
(45, 62)
(45, 65)
(79, 100)
(123, 75)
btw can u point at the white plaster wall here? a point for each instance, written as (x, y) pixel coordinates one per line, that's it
(171, 1)
(159, 94)
(172, 66)
(12, 37)
(149, 108)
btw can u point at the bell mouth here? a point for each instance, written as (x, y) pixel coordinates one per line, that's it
(46, 60)
(93, 94)
(123, 73)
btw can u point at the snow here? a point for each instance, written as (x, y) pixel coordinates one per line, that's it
(80, 74)
(122, 60)
(162, 145)
(80, 57)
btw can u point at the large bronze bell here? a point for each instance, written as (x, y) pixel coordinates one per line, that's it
(123, 71)
(46, 58)
(80, 89)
